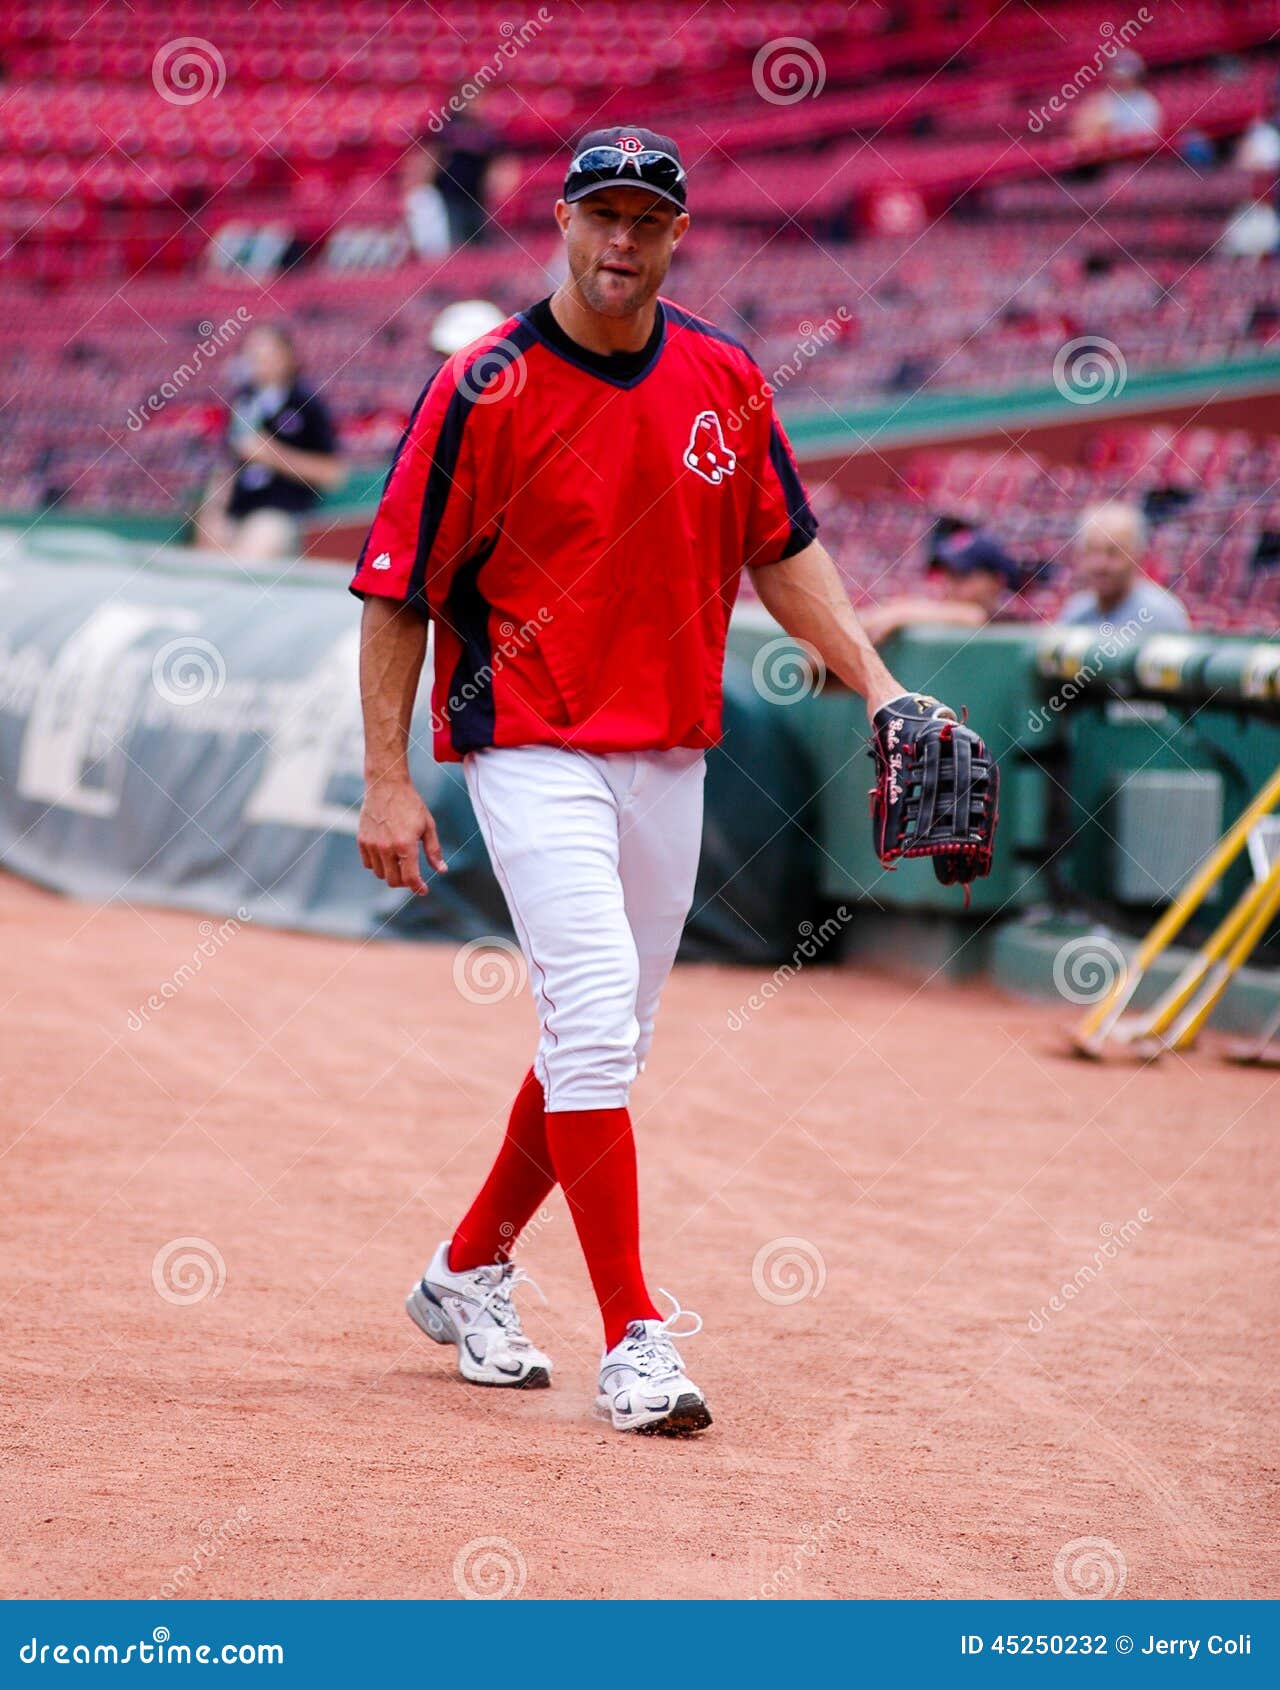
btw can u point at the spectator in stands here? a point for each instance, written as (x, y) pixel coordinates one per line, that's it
(975, 573)
(1253, 230)
(1122, 111)
(466, 152)
(1111, 543)
(1259, 147)
(286, 453)
(426, 216)
(461, 322)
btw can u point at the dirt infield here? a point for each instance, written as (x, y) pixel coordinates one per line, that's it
(900, 1408)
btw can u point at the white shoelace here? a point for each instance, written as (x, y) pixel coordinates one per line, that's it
(655, 1355)
(497, 1301)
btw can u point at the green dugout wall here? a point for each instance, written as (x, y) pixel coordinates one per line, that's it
(1119, 770)
(1072, 724)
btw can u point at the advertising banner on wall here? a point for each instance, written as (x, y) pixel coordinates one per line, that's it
(175, 735)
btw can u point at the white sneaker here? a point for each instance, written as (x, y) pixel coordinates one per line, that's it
(643, 1387)
(474, 1311)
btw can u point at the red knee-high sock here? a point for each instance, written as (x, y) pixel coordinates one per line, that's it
(518, 1182)
(593, 1152)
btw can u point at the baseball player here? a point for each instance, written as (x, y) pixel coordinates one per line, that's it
(571, 508)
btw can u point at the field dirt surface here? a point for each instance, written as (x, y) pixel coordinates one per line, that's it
(871, 1192)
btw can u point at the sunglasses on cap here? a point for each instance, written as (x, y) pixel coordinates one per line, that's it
(606, 165)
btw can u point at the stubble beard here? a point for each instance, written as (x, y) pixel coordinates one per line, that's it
(606, 299)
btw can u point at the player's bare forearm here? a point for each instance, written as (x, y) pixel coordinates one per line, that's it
(393, 644)
(393, 818)
(805, 595)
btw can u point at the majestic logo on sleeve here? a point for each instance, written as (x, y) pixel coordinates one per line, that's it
(707, 454)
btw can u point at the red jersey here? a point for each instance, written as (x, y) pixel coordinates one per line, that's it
(577, 537)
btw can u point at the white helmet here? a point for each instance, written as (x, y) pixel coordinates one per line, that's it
(462, 322)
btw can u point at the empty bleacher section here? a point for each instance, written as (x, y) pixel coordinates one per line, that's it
(919, 228)
(301, 110)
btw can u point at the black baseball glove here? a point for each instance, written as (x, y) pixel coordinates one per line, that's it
(936, 789)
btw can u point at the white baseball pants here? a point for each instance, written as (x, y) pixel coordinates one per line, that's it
(597, 856)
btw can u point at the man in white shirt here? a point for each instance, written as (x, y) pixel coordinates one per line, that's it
(1122, 111)
(425, 215)
(1111, 543)
(1253, 230)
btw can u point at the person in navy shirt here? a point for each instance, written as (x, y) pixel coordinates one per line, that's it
(284, 456)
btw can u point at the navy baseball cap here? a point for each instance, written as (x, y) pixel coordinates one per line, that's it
(626, 156)
(961, 550)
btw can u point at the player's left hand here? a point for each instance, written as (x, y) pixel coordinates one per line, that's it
(936, 789)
